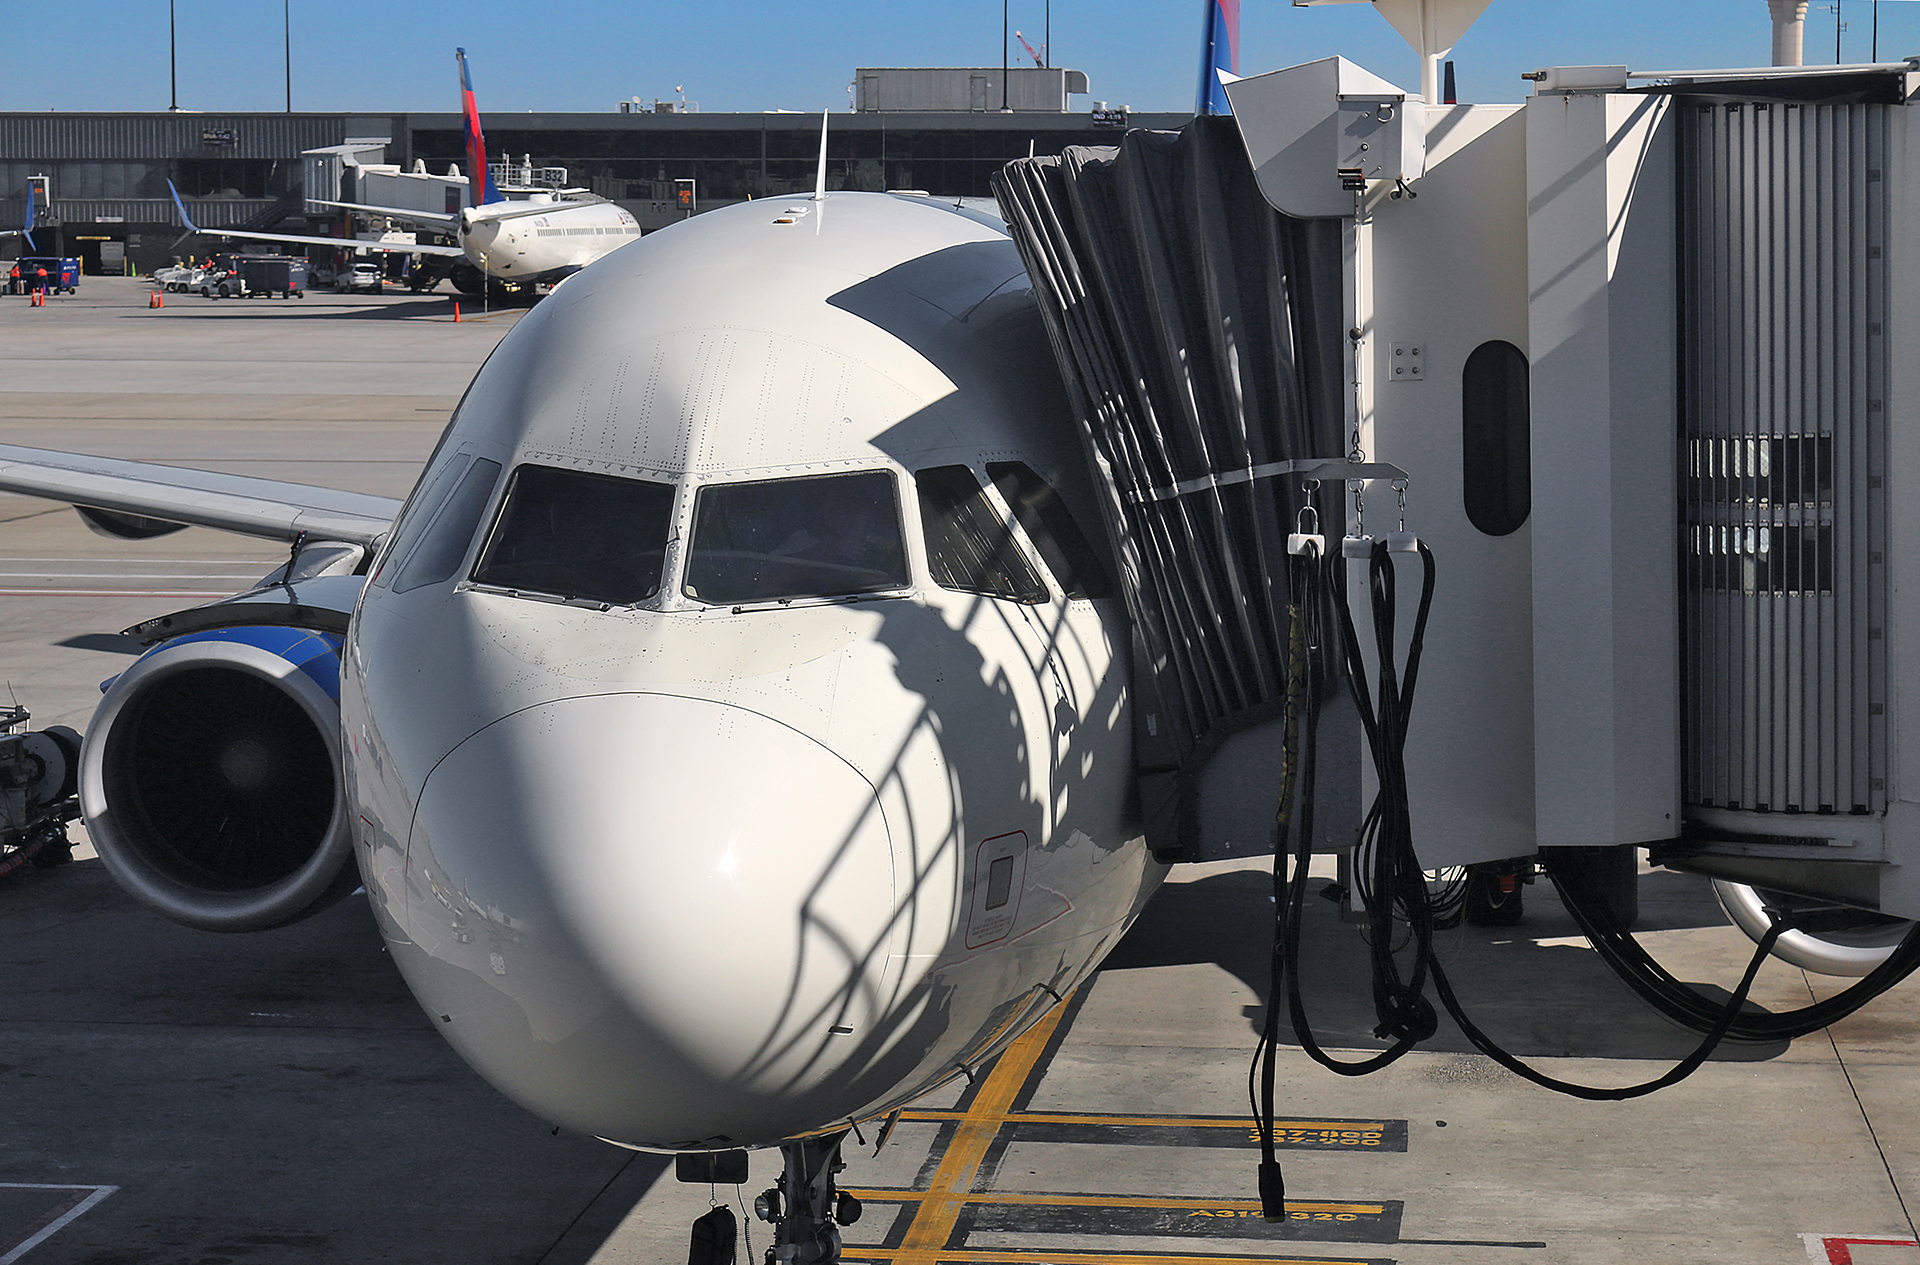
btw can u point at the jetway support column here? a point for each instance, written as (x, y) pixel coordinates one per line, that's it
(1606, 611)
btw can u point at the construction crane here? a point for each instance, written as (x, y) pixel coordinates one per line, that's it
(1038, 60)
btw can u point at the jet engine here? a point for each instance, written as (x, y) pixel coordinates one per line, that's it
(211, 781)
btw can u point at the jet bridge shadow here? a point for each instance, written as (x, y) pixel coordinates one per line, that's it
(1537, 989)
(943, 668)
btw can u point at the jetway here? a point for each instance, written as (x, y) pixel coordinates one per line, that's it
(1638, 347)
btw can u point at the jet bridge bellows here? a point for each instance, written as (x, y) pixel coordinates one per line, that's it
(1203, 334)
(1784, 291)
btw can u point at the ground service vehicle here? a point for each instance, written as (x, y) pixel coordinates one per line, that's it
(284, 276)
(43, 272)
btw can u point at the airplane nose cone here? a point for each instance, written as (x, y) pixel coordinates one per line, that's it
(658, 919)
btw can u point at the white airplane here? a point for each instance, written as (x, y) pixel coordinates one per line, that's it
(538, 240)
(731, 730)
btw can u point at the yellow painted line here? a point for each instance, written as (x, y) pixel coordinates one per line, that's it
(947, 1194)
(1115, 1201)
(1177, 1122)
(976, 1256)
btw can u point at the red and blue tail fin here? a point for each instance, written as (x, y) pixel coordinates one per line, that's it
(480, 186)
(1220, 52)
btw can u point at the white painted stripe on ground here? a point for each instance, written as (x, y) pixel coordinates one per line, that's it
(115, 593)
(158, 562)
(22, 1248)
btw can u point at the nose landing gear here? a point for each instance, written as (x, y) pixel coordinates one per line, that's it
(804, 1207)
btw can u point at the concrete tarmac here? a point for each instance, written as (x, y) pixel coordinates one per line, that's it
(181, 1098)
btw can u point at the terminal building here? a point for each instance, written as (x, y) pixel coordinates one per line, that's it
(941, 130)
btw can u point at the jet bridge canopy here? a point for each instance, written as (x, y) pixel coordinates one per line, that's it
(1202, 333)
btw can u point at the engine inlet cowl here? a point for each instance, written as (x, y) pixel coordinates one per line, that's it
(211, 779)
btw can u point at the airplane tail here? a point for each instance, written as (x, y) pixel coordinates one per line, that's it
(178, 205)
(26, 230)
(1220, 52)
(480, 186)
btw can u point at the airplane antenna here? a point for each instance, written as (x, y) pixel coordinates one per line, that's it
(820, 177)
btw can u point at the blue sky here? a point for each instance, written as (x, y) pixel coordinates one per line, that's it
(752, 55)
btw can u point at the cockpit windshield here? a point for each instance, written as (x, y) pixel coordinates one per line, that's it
(834, 535)
(579, 536)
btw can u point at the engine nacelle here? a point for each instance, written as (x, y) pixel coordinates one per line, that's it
(211, 778)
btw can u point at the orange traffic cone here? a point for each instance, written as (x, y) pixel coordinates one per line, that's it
(456, 312)
(154, 300)
(39, 298)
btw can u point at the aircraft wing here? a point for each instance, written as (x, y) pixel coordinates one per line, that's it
(202, 498)
(338, 243)
(429, 218)
(488, 214)
(342, 243)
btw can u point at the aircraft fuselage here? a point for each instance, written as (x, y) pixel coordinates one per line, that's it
(529, 247)
(703, 800)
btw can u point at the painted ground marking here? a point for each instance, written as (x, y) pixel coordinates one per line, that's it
(1838, 1249)
(67, 1203)
(969, 1256)
(1351, 1136)
(1047, 1213)
(957, 1198)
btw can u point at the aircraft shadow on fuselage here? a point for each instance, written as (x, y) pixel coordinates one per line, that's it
(1536, 1000)
(942, 667)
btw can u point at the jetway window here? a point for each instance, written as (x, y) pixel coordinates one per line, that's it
(446, 539)
(1067, 550)
(1782, 558)
(970, 548)
(1496, 476)
(1767, 469)
(834, 535)
(1762, 509)
(579, 536)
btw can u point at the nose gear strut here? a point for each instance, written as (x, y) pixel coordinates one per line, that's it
(804, 1206)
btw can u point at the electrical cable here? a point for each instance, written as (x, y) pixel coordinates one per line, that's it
(1686, 1006)
(1394, 890)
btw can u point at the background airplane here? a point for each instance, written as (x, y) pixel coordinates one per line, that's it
(539, 240)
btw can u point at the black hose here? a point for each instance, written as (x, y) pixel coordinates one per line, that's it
(1386, 874)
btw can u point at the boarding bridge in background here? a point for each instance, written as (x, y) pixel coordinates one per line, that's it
(1648, 353)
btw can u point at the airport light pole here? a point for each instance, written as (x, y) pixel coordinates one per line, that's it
(286, 27)
(1003, 56)
(173, 64)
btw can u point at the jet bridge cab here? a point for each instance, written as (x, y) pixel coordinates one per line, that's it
(736, 725)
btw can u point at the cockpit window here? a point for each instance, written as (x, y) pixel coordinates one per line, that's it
(419, 511)
(445, 543)
(579, 536)
(970, 548)
(833, 535)
(1067, 551)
